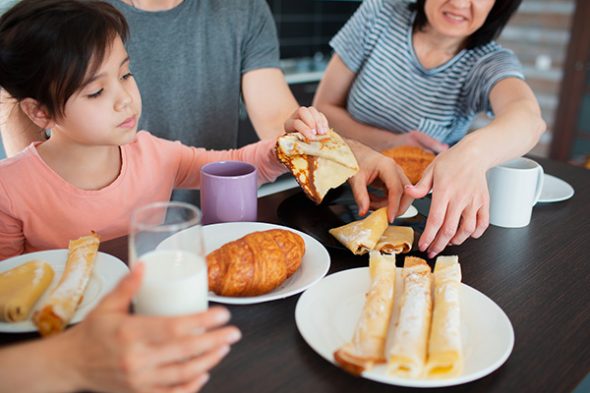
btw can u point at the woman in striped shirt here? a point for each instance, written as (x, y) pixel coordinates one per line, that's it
(417, 74)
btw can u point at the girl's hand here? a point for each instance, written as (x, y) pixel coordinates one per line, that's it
(460, 200)
(115, 351)
(308, 121)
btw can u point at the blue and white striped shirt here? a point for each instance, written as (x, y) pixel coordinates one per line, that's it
(393, 91)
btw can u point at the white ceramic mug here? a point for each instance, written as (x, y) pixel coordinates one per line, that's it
(515, 187)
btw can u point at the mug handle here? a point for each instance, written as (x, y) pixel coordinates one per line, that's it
(540, 180)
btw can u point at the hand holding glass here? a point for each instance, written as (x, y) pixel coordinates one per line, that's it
(167, 238)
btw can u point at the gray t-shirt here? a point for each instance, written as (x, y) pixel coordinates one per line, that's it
(188, 63)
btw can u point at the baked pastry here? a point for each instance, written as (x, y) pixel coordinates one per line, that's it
(317, 165)
(407, 355)
(255, 264)
(361, 236)
(396, 240)
(412, 159)
(59, 307)
(21, 287)
(367, 346)
(445, 354)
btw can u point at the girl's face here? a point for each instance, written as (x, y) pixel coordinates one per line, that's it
(105, 110)
(457, 18)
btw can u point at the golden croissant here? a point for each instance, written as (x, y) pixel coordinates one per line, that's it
(255, 264)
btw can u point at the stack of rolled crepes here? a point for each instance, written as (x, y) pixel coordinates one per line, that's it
(424, 340)
(374, 233)
(59, 307)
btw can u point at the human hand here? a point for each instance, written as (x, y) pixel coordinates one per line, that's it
(117, 352)
(420, 139)
(308, 121)
(381, 172)
(460, 200)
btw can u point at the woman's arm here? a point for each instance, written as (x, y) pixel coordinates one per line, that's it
(331, 98)
(457, 177)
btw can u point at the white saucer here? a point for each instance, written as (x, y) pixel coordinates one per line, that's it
(411, 212)
(555, 190)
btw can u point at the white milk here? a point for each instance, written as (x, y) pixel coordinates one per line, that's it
(174, 283)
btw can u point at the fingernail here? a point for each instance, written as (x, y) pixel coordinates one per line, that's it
(431, 255)
(314, 131)
(407, 186)
(222, 315)
(323, 130)
(223, 350)
(422, 247)
(234, 336)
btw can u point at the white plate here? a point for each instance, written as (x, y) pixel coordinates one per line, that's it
(410, 212)
(555, 190)
(107, 272)
(314, 266)
(326, 316)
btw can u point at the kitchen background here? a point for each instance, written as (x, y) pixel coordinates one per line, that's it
(539, 34)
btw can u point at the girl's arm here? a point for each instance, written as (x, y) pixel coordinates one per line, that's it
(457, 177)
(331, 98)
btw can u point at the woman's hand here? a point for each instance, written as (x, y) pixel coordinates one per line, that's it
(460, 199)
(114, 351)
(308, 121)
(417, 138)
(380, 172)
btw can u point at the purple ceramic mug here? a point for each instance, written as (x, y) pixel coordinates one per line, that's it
(228, 192)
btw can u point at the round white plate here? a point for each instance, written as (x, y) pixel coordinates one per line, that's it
(326, 316)
(314, 266)
(410, 212)
(555, 190)
(108, 270)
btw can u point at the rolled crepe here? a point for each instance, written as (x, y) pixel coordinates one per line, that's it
(59, 307)
(367, 346)
(445, 353)
(361, 236)
(396, 240)
(317, 165)
(407, 354)
(21, 287)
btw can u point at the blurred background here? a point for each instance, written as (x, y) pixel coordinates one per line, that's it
(550, 37)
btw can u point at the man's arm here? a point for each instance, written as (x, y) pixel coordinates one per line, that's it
(17, 130)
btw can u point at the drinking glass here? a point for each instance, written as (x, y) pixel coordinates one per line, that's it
(167, 238)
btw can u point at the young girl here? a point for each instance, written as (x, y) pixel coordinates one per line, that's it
(66, 64)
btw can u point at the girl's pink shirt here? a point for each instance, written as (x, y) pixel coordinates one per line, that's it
(39, 210)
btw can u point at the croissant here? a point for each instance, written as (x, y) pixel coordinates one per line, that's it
(255, 264)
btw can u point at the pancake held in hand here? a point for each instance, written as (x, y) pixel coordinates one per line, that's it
(21, 287)
(396, 240)
(412, 159)
(59, 307)
(363, 235)
(255, 264)
(367, 346)
(318, 165)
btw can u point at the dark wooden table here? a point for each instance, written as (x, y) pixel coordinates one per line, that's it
(539, 275)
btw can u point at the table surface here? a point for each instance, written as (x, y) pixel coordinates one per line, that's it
(539, 275)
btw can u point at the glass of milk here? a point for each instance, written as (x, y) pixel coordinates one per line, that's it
(167, 238)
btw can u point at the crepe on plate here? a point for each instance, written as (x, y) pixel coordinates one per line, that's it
(367, 346)
(318, 165)
(58, 308)
(412, 159)
(21, 287)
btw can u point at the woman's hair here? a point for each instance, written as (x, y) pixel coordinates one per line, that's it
(49, 47)
(499, 15)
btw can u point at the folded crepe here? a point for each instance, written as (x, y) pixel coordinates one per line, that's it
(445, 353)
(396, 240)
(362, 236)
(21, 287)
(407, 355)
(412, 159)
(58, 308)
(367, 346)
(318, 165)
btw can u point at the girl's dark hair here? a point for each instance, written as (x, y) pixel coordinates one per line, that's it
(49, 47)
(499, 15)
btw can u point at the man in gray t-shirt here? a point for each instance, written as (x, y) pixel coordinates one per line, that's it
(189, 62)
